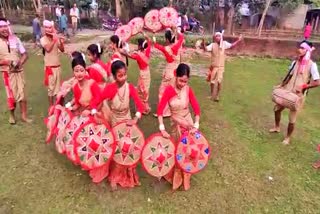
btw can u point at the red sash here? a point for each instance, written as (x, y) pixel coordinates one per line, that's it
(10, 97)
(48, 72)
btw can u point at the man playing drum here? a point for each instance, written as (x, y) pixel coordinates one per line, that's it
(303, 74)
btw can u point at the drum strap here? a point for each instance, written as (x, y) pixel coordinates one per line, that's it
(289, 75)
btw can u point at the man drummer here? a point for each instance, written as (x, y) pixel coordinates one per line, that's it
(12, 58)
(303, 75)
(217, 49)
(51, 44)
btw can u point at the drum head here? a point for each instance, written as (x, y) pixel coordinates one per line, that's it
(193, 152)
(158, 155)
(130, 141)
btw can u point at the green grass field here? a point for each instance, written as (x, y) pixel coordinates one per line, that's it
(34, 178)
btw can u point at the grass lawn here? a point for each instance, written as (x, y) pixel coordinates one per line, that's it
(34, 178)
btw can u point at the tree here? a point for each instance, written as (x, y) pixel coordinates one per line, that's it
(288, 4)
(268, 3)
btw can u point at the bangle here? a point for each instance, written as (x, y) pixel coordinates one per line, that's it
(161, 127)
(196, 125)
(68, 105)
(93, 111)
(138, 115)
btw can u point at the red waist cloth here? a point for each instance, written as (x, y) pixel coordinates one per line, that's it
(48, 72)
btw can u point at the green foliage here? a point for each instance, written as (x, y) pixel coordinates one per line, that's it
(316, 3)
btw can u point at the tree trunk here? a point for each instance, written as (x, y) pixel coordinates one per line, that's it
(230, 19)
(35, 5)
(23, 5)
(2, 8)
(263, 17)
(118, 8)
(39, 6)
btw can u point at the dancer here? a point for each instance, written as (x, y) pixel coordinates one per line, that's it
(12, 58)
(178, 97)
(118, 96)
(303, 75)
(98, 71)
(85, 90)
(51, 44)
(142, 56)
(172, 54)
(216, 70)
(115, 45)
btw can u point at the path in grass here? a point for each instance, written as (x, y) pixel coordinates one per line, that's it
(36, 179)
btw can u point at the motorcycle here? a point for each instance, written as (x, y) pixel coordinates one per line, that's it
(196, 29)
(111, 22)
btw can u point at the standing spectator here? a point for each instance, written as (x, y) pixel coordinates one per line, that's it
(12, 58)
(58, 15)
(36, 29)
(307, 31)
(74, 14)
(64, 23)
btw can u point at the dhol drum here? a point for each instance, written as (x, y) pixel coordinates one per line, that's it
(287, 99)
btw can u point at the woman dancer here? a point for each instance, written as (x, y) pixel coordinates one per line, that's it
(98, 71)
(118, 96)
(172, 54)
(178, 97)
(115, 45)
(142, 56)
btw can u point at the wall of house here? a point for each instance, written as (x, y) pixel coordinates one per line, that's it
(295, 19)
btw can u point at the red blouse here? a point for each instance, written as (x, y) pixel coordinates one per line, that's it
(111, 90)
(175, 49)
(169, 93)
(142, 63)
(95, 93)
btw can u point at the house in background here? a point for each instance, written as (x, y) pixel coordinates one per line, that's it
(280, 17)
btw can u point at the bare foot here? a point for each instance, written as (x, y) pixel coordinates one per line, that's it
(113, 187)
(155, 115)
(26, 120)
(217, 99)
(286, 141)
(275, 130)
(12, 120)
(316, 165)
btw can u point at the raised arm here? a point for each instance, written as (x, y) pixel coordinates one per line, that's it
(61, 45)
(236, 42)
(178, 44)
(48, 47)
